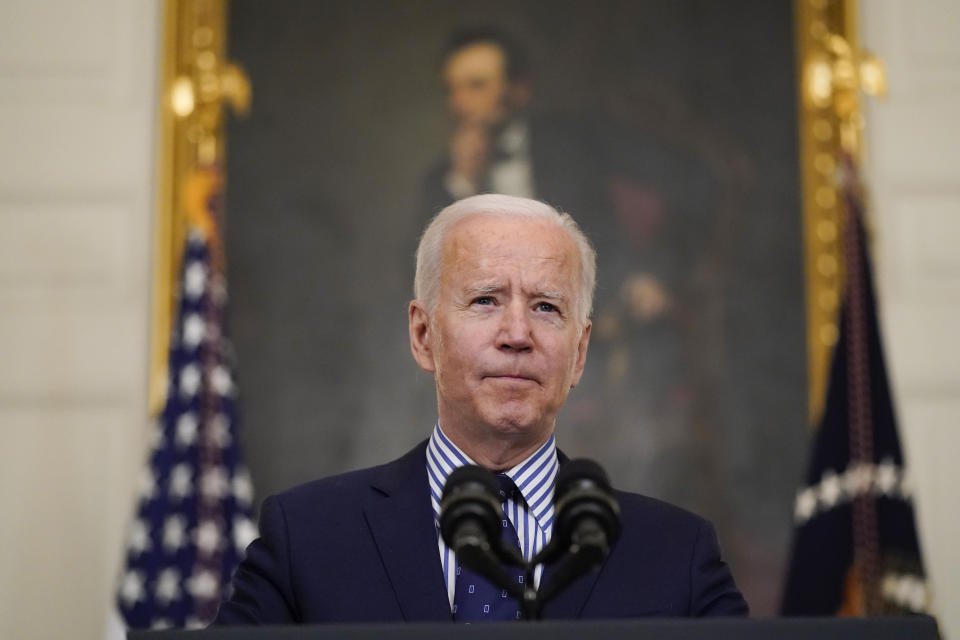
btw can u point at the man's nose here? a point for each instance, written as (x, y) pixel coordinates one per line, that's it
(515, 330)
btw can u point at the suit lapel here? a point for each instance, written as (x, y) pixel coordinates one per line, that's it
(398, 512)
(570, 602)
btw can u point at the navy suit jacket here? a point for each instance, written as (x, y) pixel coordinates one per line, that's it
(362, 547)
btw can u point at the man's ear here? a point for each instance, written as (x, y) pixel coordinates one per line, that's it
(420, 336)
(581, 354)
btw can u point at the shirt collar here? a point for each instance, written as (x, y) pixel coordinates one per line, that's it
(535, 476)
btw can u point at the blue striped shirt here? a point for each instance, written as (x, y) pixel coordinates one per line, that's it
(532, 517)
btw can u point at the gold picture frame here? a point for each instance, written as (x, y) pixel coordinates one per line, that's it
(197, 80)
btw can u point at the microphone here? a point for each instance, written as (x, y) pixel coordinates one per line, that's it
(587, 512)
(470, 517)
(586, 524)
(469, 512)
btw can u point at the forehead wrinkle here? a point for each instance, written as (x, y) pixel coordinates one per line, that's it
(549, 294)
(463, 239)
(481, 289)
(539, 292)
(487, 263)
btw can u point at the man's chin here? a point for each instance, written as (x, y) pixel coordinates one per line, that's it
(514, 422)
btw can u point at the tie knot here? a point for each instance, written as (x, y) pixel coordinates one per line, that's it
(508, 490)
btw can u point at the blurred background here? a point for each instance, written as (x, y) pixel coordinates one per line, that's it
(672, 131)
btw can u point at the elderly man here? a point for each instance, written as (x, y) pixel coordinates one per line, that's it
(502, 321)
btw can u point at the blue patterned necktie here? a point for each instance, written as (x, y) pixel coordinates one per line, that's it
(475, 599)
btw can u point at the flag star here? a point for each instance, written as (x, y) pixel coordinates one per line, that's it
(189, 380)
(213, 484)
(900, 589)
(168, 586)
(830, 489)
(886, 477)
(918, 598)
(208, 537)
(910, 592)
(242, 487)
(806, 505)
(194, 622)
(219, 431)
(857, 479)
(186, 429)
(174, 532)
(193, 330)
(888, 587)
(244, 532)
(194, 280)
(203, 585)
(132, 588)
(161, 623)
(221, 380)
(139, 540)
(181, 481)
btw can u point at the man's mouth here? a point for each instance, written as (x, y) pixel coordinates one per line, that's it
(516, 377)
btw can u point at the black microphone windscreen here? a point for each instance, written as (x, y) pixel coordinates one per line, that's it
(576, 471)
(470, 474)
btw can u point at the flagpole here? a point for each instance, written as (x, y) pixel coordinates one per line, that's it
(833, 71)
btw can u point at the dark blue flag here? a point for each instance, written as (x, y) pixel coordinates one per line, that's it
(855, 548)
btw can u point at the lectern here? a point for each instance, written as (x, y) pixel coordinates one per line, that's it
(900, 628)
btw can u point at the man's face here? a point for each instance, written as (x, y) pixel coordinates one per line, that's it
(504, 340)
(478, 90)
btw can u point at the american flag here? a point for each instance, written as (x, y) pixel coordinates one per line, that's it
(193, 520)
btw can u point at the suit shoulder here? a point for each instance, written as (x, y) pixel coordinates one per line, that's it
(343, 485)
(347, 489)
(677, 551)
(634, 506)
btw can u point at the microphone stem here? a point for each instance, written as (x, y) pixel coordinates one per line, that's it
(531, 606)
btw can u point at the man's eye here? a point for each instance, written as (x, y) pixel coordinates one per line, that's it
(483, 300)
(546, 307)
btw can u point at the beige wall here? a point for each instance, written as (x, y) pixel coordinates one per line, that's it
(913, 163)
(77, 96)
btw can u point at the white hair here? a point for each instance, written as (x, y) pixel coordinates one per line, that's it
(426, 283)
